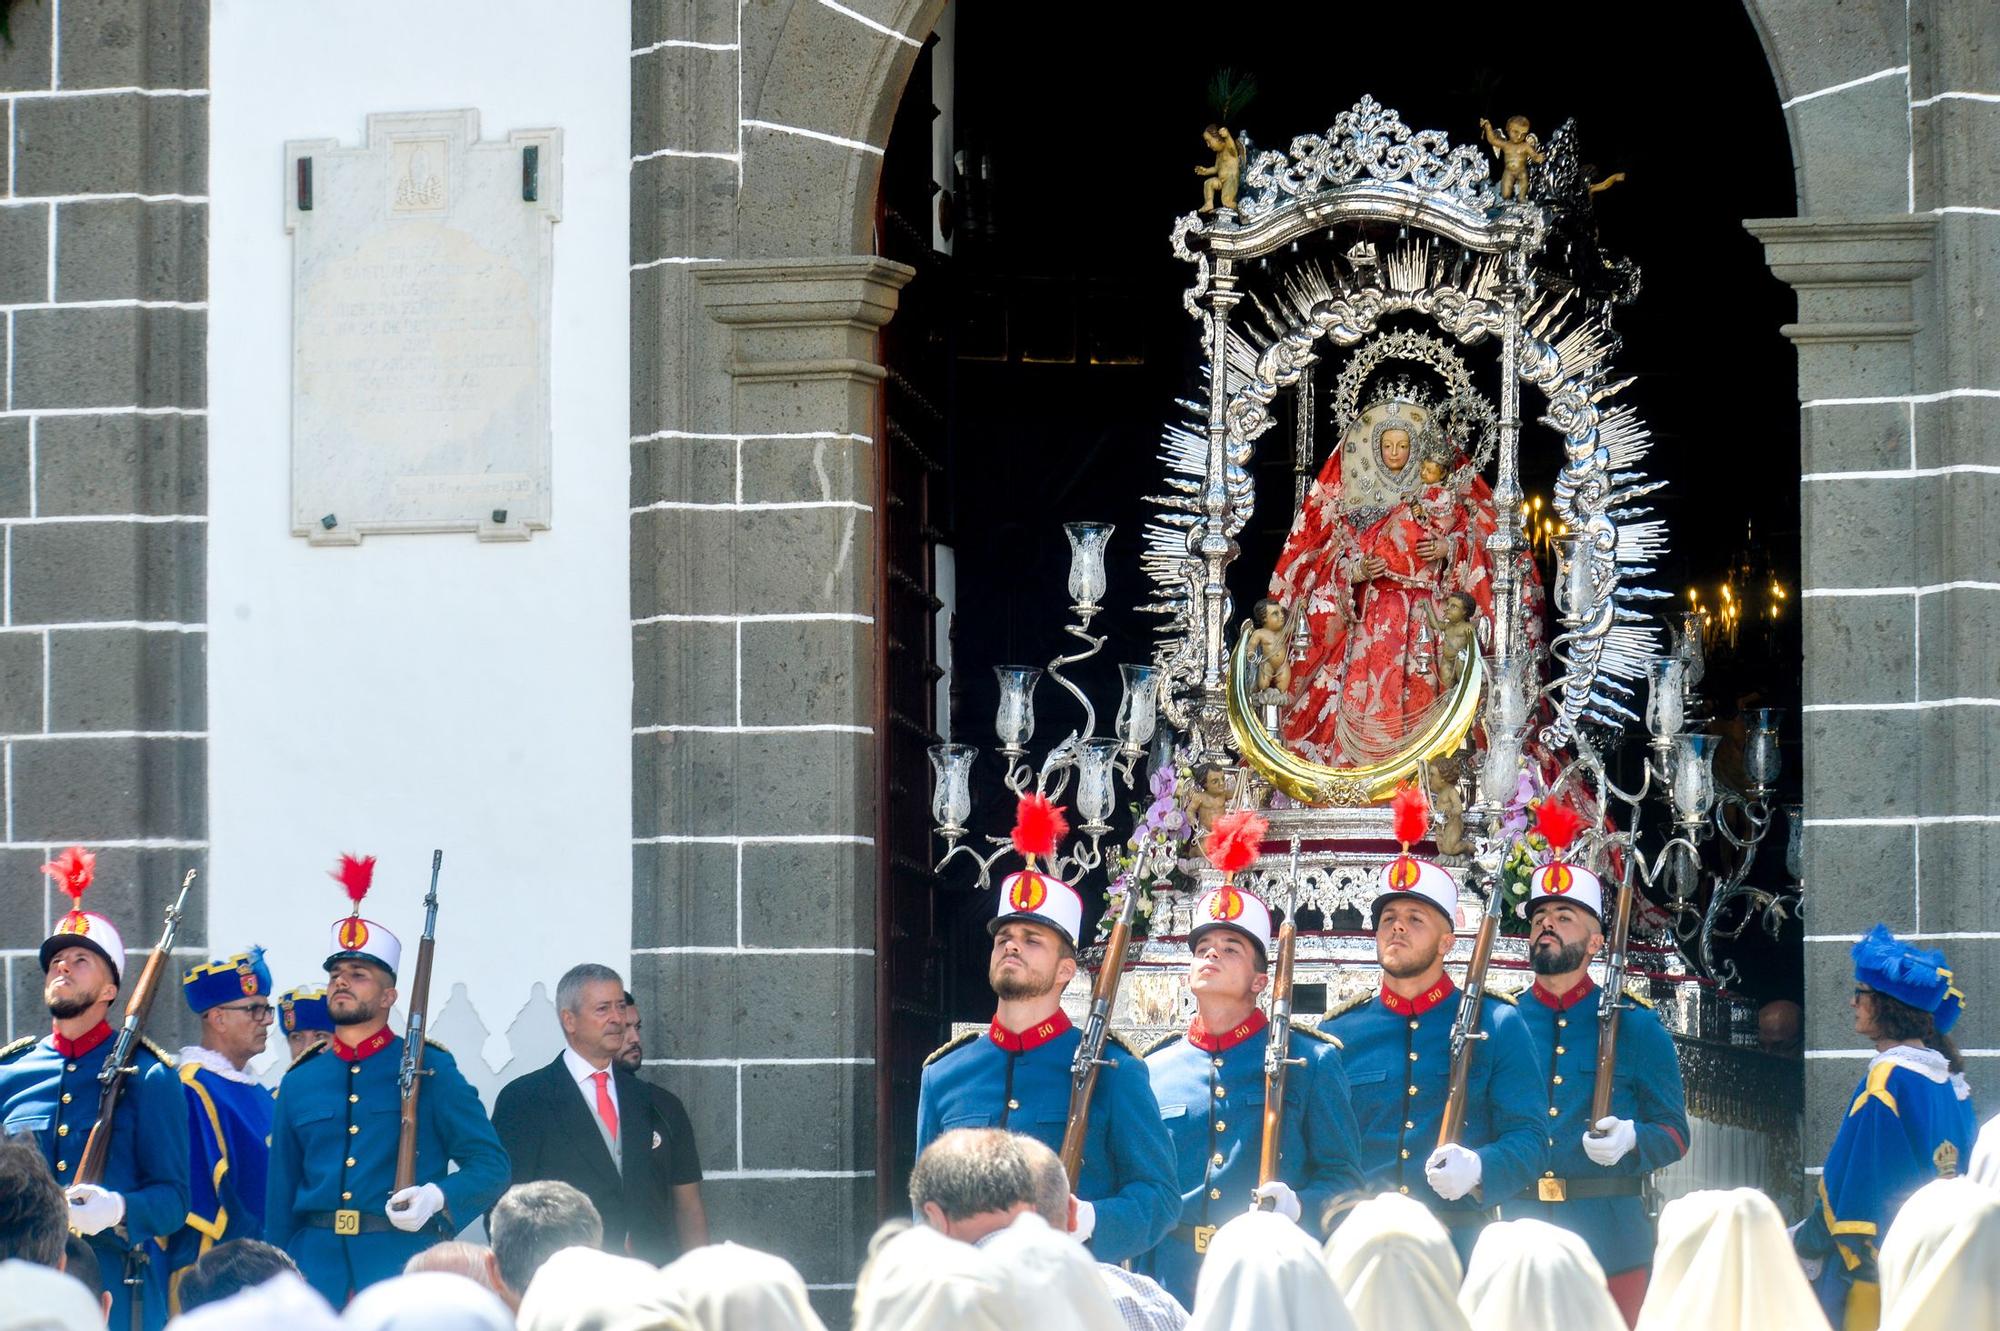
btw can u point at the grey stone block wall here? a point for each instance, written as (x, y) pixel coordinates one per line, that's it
(1895, 257)
(103, 458)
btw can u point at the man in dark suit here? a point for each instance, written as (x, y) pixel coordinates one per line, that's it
(587, 1121)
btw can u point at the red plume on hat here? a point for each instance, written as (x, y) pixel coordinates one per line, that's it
(73, 870)
(1234, 841)
(1039, 826)
(1557, 824)
(357, 874)
(1410, 814)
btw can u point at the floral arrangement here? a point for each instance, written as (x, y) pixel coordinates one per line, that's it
(1151, 856)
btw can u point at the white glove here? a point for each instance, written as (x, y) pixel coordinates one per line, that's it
(1285, 1201)
(411, 1209)
(1086, 1221)
(92, 1209)
(1453, 1171)
(1620, 1136)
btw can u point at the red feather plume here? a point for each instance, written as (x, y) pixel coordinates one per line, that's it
(1557, 824)
(73, 870)
(356, 874)
(1039, 826)
(1235, 840)
(1410, 814)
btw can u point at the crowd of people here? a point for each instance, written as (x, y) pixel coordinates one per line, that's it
(1395, 1185)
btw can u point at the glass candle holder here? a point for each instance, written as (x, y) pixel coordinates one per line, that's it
(1086, 562)
(951, 785)
(1015, 722)
(1573, 582)
(1138, 706)
(1666, 696)
(1096, 794)
(1763, 759)
(1688, 647)
(1694, 776)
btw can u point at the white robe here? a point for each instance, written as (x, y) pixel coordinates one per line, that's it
(1396, 1267)
(582, 1289)
(1263, 1273)
(922, 1281)
(1940, 1261)
(1051, 1278)
(1986, 1155)
(1725, 1263)
(1529, 1275)
(427, 1301)
(726, 1286)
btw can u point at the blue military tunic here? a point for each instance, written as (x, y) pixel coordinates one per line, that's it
(1910, 1121)
(1211, 1094)
(333, 1148)
(49, 1090)
(1021, 1082)
(1645, 1088)
(1398, 1058)
(229, 1132)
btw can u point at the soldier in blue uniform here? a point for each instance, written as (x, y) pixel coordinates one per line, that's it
(1590, 1182)
(1210, 1085)
(331, 1200)
(1017, 1076)
(229, 1112)
(49, 1092)
(302, 1017)
(1909, 1121)
(1396, 1046)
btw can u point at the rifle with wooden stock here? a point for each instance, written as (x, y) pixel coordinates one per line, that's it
(412, 1070)
(1278, 1048)
(117, 1068)
(1089, 1058)
(1612, 1001)
(111, 1080)
(1465, 1030)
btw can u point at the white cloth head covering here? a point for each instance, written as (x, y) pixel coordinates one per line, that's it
(285, 1300)
(922, 1281)
(582, 1289)
(925, 1282)
(727, 1286)
(1050, 1278)
(1528, 1275)
(1395, 1266)
(1940, 1262)
(427, 1301)
(34, 1297)
(1725, 1263)
(1986, 1155)
(1263, 1274)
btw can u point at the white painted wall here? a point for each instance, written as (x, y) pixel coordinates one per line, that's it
(420, 691)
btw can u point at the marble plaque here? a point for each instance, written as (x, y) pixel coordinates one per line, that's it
(421, 269)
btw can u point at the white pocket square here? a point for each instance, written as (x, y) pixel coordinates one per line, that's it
(656, 1141)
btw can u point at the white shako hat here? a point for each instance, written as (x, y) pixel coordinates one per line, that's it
(1231, 845)
(1030, 894)
(1559, 880)
(1408, 876)
(73, 870)
(356, 939)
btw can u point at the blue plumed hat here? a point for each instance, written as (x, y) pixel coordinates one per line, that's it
(1909, 974)
(214, 983)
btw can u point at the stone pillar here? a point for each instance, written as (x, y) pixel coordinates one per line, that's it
(1894, 265)
(754, 751)
(103, 471)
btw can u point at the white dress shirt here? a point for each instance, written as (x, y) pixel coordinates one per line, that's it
(586, 1084)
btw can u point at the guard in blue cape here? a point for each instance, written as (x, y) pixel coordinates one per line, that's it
(302, 1017)
(331, 1200)
(49, 1092)
(1590, 1183)
(1016, 1074)
(1909, 1121)
(1396, 1047)
(1210, 1085)
(229, 1112)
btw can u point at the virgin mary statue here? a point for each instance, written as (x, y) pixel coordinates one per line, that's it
(1391, 532)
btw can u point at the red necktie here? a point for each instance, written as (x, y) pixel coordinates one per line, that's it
(605, 1109)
